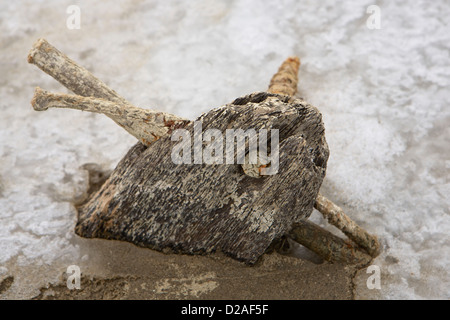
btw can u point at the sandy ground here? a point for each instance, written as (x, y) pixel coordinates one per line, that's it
(119, 270)
(154, 275)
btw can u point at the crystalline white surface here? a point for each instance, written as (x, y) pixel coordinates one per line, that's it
(383, 94)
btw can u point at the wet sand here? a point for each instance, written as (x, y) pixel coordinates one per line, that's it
(119, 270)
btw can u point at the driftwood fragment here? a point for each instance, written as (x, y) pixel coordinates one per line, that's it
(197, 208)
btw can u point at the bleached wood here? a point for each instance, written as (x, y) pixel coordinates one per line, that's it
(336, 216)
(146, 125)
(285, 81)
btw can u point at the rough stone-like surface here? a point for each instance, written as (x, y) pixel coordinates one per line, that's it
(199, 208)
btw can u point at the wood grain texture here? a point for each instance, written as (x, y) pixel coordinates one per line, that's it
(336, 216)
(198, 208)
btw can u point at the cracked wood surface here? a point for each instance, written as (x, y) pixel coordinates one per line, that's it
(152, 202)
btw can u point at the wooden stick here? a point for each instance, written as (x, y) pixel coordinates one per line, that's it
(145, 125)
(327, 245)
(285, 80)
(336, 216)
(152, 125)
(70, 74)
